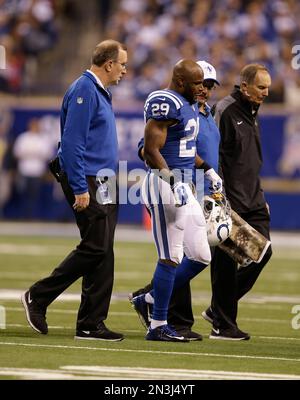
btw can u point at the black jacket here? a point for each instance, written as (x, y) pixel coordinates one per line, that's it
(240, 152)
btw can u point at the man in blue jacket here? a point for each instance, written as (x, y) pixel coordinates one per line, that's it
(88, 156)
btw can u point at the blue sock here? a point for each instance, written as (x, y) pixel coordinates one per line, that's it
(186, 271)
(163, 281)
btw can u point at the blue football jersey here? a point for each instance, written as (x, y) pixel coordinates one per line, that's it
(179, 149)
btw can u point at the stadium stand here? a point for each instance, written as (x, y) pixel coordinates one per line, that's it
(48, 42)
(43, 35)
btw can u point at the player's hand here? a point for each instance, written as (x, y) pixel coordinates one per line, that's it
(216, 185)
(180, 194)
(81, 201)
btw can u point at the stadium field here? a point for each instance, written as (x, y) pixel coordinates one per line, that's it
(270, 313)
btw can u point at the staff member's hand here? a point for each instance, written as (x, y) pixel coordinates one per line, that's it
(81, 201)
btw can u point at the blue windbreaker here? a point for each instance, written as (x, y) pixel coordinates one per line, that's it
(88, 132)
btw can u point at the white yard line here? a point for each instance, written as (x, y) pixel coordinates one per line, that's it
(163, 373)
(142, 330)
(13, 294)
(123, 232)
(165, 353)
(107, 372)
(66, 327)
(40, 374)
(133, 314)
(57, 250)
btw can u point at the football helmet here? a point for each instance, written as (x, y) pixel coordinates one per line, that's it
(217, 212)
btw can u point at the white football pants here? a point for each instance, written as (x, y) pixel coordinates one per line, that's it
(176, 230)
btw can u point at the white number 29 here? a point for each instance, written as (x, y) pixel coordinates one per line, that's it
(158, 109)
(193, 126)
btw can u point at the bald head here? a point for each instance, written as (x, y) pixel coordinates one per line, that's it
(187, 79)
(185, 69)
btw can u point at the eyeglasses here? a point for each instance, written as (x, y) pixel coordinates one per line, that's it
(123, 65)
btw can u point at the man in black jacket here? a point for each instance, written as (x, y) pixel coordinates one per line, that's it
(240, 163)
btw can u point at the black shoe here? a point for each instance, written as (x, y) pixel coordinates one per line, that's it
(229, 334)
(143, 309)
(208, 315)
(188, 334)
(102, 333)
(35, 314)
(143, 290)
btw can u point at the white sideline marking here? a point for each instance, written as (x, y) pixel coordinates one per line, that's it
(106, 372)
(141, 330)
(124, 233)
(67, 327)
(283, 249)
(11, 294)
(163, 373)
(33, 250)
(132, 314)
(40, 374)
(276, 338)
(62, 311)
(150, 351)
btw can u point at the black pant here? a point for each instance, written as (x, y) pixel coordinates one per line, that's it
(93, 260)
(229, 284)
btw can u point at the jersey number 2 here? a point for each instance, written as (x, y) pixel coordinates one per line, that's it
(185, 150)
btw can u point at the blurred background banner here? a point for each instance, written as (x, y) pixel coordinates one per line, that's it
(280, 172)
(46, 44)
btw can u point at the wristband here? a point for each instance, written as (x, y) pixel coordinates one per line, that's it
(205, 166)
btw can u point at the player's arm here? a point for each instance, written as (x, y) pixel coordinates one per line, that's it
(155, 138)
(141, 149)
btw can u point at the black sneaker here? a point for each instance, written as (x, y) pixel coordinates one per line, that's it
(188, 334)
(143, 290)
(143, 309)
(102, 333)
(35, 314)
(164, 333)
(208, 315)
(229, 334)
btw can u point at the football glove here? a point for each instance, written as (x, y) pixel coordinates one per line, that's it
(180, 194)
(215, 181)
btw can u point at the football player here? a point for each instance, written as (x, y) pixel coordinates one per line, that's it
(207, 145)
(178, 223)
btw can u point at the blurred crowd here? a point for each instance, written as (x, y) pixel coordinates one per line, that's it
(28, 28)
(227, 33)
